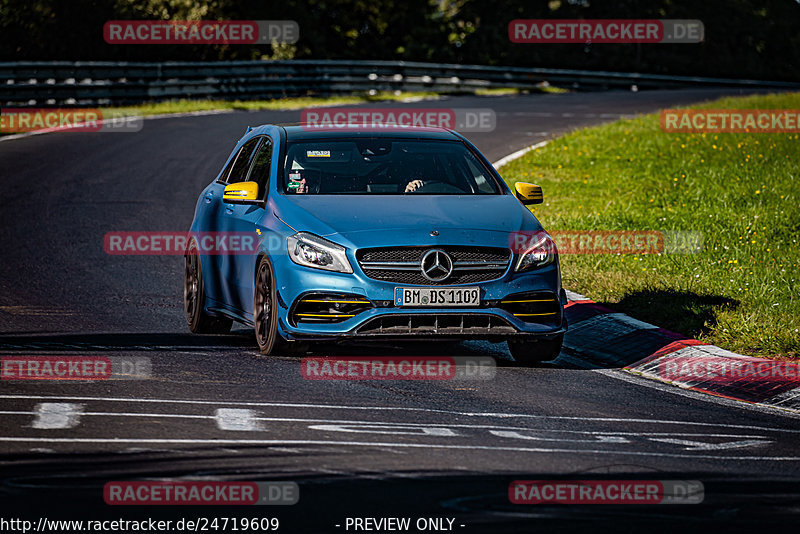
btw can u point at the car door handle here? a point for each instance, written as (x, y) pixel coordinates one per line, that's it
(229, 209)
(209, 197)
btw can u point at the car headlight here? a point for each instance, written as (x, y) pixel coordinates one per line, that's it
(313, 251)
(540, 252)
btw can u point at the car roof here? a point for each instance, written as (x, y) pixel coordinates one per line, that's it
(299, 132)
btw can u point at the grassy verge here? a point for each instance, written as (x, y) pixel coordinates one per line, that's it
(542, 88)
(184, 106)
(188, 105)
(741, 191)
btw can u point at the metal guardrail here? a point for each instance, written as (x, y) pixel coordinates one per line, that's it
(102, 83)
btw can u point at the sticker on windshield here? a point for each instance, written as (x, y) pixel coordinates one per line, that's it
(318, 153)
(295, 181)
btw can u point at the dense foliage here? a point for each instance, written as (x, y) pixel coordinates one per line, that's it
(744, 38)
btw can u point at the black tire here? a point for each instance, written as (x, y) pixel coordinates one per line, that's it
(265, 318)
(534, 352)
(194, 298)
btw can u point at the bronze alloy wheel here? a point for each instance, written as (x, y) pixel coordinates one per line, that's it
(194, 298)
(264, 317)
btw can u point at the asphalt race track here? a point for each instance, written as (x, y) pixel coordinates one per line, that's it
(214, 408)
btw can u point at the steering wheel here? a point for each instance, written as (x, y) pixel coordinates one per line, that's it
(438, 187)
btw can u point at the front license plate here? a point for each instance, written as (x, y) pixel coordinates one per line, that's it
(436, 297)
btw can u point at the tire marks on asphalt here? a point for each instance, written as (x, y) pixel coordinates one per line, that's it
(56, 415)
(318, 426)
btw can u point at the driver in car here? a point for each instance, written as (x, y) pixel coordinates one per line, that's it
(306, 182)
(417, 172)
(413, 185)
(303, 183)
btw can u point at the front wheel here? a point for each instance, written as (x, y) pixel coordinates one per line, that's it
(534, 352)
(265, 317)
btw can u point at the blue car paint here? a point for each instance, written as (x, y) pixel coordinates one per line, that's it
(357, 221)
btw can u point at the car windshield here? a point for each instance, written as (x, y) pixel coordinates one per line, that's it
(382, 166)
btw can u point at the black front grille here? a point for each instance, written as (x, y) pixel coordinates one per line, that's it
(436, 324)
(416, 278)
(402, 264)
(415, 254)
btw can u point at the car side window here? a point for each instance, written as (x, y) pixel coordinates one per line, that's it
(239, 170)
(223, 177)
(480, 179)
(262, 163)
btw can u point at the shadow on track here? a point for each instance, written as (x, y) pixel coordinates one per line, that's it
(680, 311)
(57, 486)
(113, 342)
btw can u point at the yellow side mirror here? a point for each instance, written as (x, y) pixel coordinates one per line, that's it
(528, 193)
(241, 193)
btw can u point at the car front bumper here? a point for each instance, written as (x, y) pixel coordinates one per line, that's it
(382, 319)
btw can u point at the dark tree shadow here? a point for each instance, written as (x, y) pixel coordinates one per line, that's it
(677, 315)
(685, 312)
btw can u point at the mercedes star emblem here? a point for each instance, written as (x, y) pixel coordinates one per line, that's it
(436, 265)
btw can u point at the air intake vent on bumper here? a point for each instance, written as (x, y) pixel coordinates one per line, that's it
(328, 307)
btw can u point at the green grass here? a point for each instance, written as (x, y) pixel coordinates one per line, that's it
(498, 91)
(741, 191)
(188, 105)
(504, 91)
(183, 106)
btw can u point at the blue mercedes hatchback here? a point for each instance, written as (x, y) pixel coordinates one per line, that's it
(372, 234)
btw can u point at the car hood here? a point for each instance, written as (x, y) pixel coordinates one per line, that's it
(366, 221)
